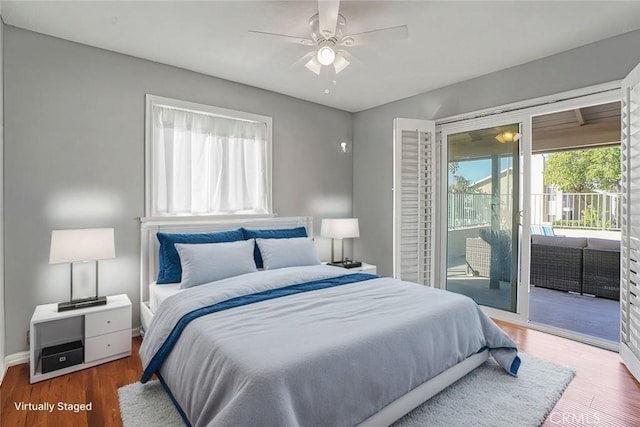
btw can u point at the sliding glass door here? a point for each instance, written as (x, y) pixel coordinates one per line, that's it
(482, 211)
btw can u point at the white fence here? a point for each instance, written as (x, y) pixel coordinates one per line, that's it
(472, 209)
(591, 211)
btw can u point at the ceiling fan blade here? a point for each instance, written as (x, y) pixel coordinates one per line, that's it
(328, 17)
(340, 63)
(393, 33)
(313, 65)
(285, 38)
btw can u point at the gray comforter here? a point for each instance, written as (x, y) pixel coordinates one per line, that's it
(326, 357)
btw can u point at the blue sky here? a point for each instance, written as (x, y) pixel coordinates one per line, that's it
(474, 170)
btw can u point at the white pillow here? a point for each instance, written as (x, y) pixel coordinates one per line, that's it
(208, 262)
(293, 252)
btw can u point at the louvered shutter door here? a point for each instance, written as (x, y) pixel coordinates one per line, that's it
(630, 244)
(415, 161)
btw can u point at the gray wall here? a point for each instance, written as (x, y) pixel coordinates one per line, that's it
(600, 62)
(74, 157)
(2, 308)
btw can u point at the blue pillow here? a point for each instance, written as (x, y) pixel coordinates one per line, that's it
(169, 269)
(279, 233)
(547, 230)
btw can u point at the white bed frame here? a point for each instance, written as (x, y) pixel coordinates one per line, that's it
(149, 245)
(149, 268)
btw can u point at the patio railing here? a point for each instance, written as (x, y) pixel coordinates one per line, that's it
(471, 209)
(592, 211)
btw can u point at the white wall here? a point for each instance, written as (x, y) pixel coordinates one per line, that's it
(74, 157)
(604, 61)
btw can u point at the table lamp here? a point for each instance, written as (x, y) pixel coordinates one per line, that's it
(340, 228)
(81, 245)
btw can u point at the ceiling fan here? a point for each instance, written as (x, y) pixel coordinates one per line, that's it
(327, 38)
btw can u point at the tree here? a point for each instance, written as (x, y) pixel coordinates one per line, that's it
(460, 183)
(453, 167)
(604, 169)
(584, 171)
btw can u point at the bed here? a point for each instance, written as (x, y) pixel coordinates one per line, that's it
(309, 344)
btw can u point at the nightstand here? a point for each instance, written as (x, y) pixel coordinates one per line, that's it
(365, 268)
(103, 331)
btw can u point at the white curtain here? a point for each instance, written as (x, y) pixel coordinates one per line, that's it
(204, 164)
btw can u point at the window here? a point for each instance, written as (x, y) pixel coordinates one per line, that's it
(204, 160)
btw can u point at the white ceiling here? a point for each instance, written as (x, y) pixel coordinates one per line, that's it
(448, 41)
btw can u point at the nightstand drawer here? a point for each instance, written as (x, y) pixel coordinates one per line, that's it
(107, 321)
(107, 345)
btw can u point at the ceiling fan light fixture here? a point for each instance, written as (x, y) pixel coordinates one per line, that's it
(340, 62)
(314, 66)
(326, 55)
(507, 136)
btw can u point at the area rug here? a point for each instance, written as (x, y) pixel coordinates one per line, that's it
(486, 397)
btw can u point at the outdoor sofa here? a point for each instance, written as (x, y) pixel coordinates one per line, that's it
(576, 264)
(601, 268)
(556, 262)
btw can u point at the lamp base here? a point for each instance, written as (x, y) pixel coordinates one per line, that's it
(82, 303)
(347, 264)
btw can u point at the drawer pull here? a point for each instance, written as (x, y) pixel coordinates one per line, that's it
(108, 345)
(108, 321)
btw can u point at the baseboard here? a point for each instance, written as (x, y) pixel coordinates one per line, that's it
(16, 359)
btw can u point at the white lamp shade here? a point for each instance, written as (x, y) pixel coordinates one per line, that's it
(89, 244)
(340, 228)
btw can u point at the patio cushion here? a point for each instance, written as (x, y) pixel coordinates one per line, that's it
(569, 242)
(606, 244)
(542, 229)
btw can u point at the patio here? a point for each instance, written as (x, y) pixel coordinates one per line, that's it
(596, 317)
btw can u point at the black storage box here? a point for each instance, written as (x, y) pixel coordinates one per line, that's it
(62, 356)
(347, 264)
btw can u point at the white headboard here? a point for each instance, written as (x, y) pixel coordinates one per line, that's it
(149, 245)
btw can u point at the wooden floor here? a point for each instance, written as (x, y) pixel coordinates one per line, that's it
(97, 385)
(603, 393)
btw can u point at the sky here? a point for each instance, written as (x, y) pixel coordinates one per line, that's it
(475, 170)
